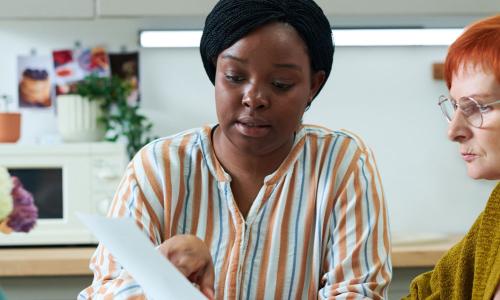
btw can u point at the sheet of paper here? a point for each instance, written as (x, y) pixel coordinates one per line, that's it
(135, 252)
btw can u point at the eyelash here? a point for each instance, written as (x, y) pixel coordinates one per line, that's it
(234, 78)
(485, 109)
(282, 86)
(279, 85)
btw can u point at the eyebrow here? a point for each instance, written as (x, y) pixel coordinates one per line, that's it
(480, 96)
(244, 61)
(474, 96)
(289, 66)
(229, 56)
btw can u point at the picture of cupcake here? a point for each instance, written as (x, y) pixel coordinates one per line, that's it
(34, 88)
(35, 81)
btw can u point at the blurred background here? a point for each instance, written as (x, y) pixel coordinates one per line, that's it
(385, 94)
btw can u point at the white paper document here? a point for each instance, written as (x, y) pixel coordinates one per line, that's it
(135, 252)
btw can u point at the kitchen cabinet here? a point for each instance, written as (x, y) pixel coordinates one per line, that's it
(147, 8)
(341, 12)
(60, 273)
(408, 8)
(47, 9)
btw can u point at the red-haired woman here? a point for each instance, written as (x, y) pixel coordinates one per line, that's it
(471, 269)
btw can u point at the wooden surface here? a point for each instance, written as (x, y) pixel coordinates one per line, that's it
(45, 261)
(74, 261)
(421, 254)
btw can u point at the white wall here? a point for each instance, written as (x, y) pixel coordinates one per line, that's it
(386, 95)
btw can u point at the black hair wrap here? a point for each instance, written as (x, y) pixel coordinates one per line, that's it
(231, 20)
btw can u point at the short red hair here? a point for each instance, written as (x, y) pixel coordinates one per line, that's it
(478, 45)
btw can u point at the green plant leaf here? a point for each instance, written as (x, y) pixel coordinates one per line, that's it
(119, 117)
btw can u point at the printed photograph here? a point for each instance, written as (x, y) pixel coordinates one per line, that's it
(66, 70)
(35, 81)
(93, 60)
(126, 66)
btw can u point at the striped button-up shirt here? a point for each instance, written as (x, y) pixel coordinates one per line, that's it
(318, 228)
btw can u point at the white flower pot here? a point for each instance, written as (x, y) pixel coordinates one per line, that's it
(77, 119)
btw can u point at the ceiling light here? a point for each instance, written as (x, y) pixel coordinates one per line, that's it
(342, 37)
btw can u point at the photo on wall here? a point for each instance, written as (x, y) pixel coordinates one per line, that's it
(126, 66)
(35, 79)
(93, 61)
(72, 66)
(66, 69)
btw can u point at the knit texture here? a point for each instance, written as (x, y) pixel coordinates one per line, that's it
(471, 269)
(231, 20)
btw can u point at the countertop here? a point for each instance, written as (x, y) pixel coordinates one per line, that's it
(73, 261)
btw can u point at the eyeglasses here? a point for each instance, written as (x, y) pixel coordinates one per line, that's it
(469, 107)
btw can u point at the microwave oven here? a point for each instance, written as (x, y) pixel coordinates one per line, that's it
(64, 179)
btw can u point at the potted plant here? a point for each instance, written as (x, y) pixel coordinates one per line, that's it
(119, 118)
(78, 119)
(10, 122)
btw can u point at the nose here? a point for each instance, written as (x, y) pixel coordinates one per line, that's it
(256, 97)
(458, 128)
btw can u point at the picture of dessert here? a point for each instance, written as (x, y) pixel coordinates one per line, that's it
(67, 70)
(93, 60)
(126, 66)
(35, 81)
(34, 88)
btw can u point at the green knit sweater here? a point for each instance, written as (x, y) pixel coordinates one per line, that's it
(471, 269)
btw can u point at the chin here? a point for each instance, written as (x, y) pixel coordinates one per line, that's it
(474, 175)
(482, 174)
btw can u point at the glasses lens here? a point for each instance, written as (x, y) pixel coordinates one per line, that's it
(471, 111)
(447, 107)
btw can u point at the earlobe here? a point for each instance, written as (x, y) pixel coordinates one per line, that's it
(308, 105)
(316, 82)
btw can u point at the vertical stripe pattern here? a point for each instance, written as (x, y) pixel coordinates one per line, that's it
(319, 228)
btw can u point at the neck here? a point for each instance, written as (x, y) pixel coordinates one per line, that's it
(244, 162)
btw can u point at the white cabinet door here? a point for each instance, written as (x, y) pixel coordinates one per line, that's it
(362, 12)
(45, 9)
(401, 8)
(146, 8)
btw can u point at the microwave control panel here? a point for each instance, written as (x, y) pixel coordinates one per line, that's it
(107, 171)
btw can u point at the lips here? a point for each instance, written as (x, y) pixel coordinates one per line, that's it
(253, 122)
(253, 127)
(469, 156)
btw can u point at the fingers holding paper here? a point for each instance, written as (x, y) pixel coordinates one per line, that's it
(192, 257)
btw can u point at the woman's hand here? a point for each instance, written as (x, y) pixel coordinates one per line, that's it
(191, 256)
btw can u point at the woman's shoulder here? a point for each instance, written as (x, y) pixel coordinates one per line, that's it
(324, 133)
(190, 137)
(181, 143)
(495, 197)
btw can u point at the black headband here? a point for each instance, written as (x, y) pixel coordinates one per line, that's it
(230, 20)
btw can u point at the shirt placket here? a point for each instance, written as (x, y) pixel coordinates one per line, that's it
(243, 228)
(240, 241)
